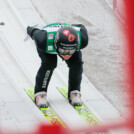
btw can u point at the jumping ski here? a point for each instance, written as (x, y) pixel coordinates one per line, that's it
(81, 110)
(47, 112)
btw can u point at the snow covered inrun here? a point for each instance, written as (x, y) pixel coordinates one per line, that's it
(19, 63)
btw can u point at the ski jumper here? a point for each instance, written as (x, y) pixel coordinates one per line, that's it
(44, 40)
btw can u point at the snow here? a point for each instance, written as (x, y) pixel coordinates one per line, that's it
(101, 90)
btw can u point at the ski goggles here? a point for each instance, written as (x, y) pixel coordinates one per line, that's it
(66, 52)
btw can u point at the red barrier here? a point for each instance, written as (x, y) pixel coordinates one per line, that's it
(49, 129)
(130, 36)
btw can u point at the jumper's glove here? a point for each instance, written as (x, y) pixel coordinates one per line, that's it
(30, 30)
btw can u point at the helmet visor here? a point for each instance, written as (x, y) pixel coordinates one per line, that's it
(66, 52)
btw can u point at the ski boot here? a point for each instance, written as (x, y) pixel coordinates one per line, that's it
(75, 98)
(40, 99)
